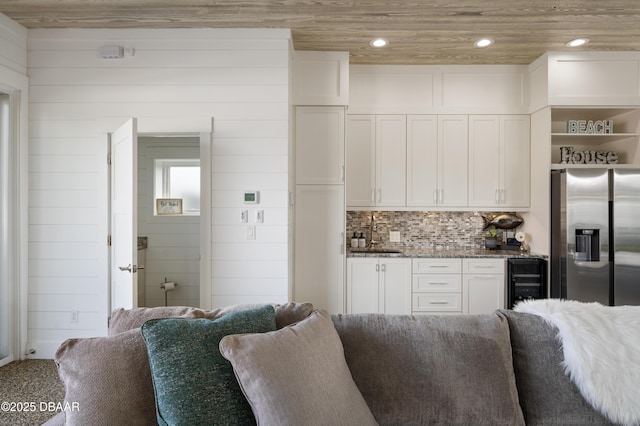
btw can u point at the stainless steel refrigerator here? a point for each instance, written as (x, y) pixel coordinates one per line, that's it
(595, 235)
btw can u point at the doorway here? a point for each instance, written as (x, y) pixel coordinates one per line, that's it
(169, 242)
(7, 237)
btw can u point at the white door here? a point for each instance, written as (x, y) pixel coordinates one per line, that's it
(484, 160)
(361, 160)
(124, 170)
(391, 160)
(319, 145)
(319, 246)
(453, 155)
(422, 160)
(362, 285)
(395, 286)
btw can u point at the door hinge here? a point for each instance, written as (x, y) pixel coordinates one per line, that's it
(108, 159)
(109, 240)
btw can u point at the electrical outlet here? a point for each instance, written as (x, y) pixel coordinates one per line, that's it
(75, 317)
(394, 236)
(259, 216)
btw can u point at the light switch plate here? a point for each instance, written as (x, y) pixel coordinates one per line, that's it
(394, 236)
(251, 232)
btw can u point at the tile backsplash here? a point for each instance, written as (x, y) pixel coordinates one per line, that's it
(422, 229)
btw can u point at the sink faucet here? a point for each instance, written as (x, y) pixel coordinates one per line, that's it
(374, 228)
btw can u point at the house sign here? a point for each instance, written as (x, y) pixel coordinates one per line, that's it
(570, 156)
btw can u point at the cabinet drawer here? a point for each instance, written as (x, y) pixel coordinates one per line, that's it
(437, 282)
(437, 266)
(483, 266)
(437, 302)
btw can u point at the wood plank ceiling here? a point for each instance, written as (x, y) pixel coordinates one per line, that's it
(419, 31)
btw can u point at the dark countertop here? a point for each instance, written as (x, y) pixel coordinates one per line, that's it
(451, 253)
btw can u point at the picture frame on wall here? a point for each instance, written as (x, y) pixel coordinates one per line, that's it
(168, 206)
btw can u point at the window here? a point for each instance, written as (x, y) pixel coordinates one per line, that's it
(179, 178)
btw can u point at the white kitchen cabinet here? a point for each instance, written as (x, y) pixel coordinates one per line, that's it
(379, 285)
(319, 145)
(437, 286)
(499, 152)
(483, 285)
(437, 151)
(320, 246)
(376, 160)
(320, 78)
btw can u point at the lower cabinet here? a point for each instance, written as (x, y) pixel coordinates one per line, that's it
(425, 285)
(437, 286)
(483, 285)
(379, 285)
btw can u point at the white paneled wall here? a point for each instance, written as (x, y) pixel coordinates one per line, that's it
(176, 81)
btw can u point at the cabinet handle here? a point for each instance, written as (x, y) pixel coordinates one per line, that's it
(373, 196)
(437, 266)
(441, 200)
(377, 268)
(435, 196)
(435, 283)
(502, 196)
(379, 195)
(438, 303)
(342, 173)
(497, 197)
(342, 243)
(384, 267)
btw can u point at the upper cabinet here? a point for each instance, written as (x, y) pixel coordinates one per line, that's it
(499, 161)
(436, 149)
(376, 160)
(320, 145)
(321, 78)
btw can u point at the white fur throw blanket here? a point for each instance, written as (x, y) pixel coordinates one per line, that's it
(601, 347)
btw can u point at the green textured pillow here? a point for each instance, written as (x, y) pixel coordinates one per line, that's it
(193, 383)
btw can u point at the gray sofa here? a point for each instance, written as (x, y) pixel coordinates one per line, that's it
(494, 369)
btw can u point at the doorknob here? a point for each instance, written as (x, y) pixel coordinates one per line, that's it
(131, 268)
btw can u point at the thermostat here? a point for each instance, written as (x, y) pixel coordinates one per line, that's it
(251, 197)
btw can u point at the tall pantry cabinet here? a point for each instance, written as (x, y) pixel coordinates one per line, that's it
(319, 208)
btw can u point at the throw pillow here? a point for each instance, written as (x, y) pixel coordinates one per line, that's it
(109, 380)
(127, 319)
(297, 375)
(193, 383)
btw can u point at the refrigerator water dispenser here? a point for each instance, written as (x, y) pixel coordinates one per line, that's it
(587, 245)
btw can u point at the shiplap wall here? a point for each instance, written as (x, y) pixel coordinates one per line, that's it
(175, 82)
(173, 242)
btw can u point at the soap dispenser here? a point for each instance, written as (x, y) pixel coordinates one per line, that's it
(354, 240)
(362, 242)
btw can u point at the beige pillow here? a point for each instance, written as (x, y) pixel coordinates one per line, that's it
(297, 375)
(109, 380)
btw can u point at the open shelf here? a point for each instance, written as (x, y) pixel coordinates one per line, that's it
(624, 140)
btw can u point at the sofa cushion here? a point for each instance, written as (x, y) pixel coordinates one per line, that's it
(547, 395)
(193, 383)
(127, 319)
(108, 378)
(432, 369)
(297, 375)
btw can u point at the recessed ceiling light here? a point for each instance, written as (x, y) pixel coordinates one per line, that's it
(483, 42)
(576, 42)
(379, 42)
